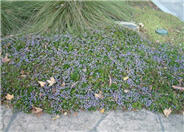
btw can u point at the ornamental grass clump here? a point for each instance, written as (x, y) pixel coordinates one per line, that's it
(77, 16)
(15, 14)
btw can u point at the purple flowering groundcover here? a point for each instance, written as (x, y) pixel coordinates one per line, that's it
(114, 70)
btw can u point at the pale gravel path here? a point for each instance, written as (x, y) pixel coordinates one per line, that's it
(115, 121)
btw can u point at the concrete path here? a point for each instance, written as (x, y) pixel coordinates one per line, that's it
(115, 121)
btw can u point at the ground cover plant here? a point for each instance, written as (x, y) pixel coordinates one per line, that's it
(108, 69)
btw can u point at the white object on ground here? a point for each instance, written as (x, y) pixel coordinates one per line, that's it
(130, 25)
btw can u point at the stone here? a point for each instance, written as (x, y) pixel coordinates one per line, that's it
(161, 31)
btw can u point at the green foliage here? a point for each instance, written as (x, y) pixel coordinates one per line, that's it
(154, 19)
(86, 70)
(77, 16)
(14, 15)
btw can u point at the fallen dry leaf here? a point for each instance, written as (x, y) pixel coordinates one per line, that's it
(74, 84)
(9, 97)
(46, 44)
(36, 110)
(178, 88)
(99, 95)
(141, 25)
(102, 111)
(23, 76)
(126, 90)
(22, 72)
(84, 70)
(51, 81)
(63, 84)
(5, 59)
(56, 117)
(167, 112)
(40, 94)
(65, 113)
(125, 78)
(53, 90)
(116, 98)
(42, 84)
(110, 80)
(157, 41)
(180, 81)
(8, 44)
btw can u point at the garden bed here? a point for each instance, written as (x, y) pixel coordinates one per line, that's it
(112, 69)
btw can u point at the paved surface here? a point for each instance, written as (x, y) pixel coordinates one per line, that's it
(115, 121)
(174, 7)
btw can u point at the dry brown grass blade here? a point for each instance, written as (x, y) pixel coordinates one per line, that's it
(178, 88)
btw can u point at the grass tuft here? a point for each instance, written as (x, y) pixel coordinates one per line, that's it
(15, 14)
(77, 16)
